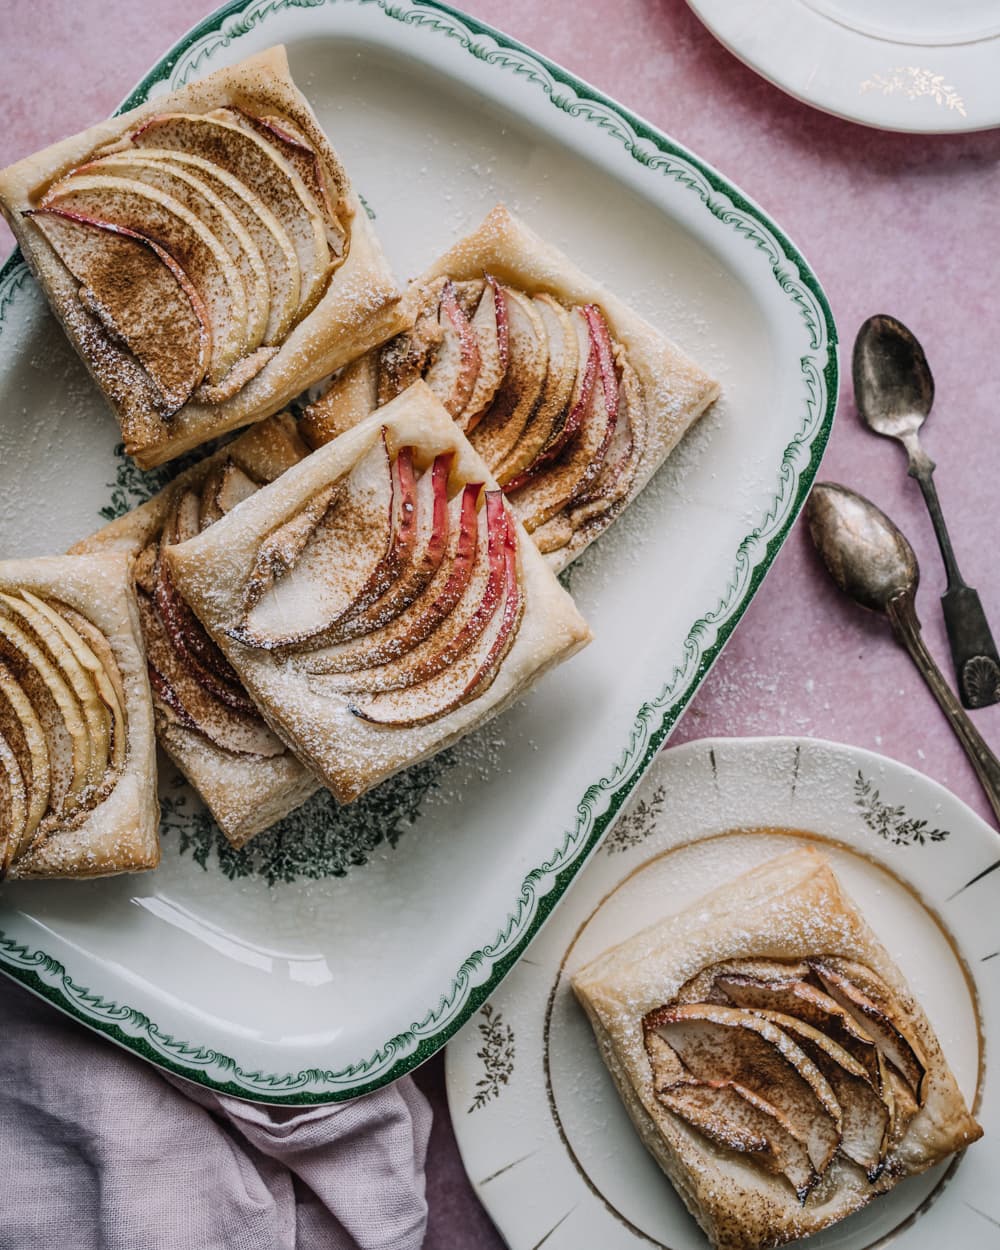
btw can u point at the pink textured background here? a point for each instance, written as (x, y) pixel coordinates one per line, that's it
(891, 224)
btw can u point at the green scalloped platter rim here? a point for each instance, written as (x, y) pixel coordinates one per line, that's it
(542, 888)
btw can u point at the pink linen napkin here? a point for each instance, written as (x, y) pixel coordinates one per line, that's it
(100, 1151)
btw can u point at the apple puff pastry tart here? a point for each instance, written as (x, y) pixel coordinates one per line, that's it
(205, 253)
(380, 599)
(772, 1056)
(205, 720)
(77, 756)
(572, 400)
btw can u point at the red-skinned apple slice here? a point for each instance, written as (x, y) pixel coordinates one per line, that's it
(232, 731)
(583, 391)
(730, 1044)
(300, 153)
(470, 676)
(498, 432)
(156, 312)
(147, 211)
(553, 489)
(467, 621)
(452, 375)
(556, 399)
(421, 545)
(20, 725)
(13, 806)
(280, 260)
(308, 578)
(873, 1006)
(738, 1119)
(200, 198)
(257, 163)
(610, 490)
(427, 614)
(489, 324)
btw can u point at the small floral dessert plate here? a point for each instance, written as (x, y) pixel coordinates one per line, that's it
(346, 945)
(544, 1137)
(913, 65)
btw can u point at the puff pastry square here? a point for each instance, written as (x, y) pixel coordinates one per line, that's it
(570, 397)
(205, 721)
(77, 755)
(379, 601)
(205, 253)
(772, 1056)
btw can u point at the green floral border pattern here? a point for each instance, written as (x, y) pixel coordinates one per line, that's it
(480, 974)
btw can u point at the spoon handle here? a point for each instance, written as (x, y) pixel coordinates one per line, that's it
(973, 651)
(903, 617)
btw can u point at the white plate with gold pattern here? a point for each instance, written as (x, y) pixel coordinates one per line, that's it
(912, 65)
(546, 1141)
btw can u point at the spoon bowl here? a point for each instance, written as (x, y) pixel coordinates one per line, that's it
(864, 552)
(893, 386)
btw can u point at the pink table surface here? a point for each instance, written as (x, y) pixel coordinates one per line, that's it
(892, 223)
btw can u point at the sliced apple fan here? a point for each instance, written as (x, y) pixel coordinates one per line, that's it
(389, 592)
(789, 1065)
(62, 721)
(199, 241)
(542, 391)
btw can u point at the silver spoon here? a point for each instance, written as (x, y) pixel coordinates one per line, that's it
(894, 390)
(871, 561)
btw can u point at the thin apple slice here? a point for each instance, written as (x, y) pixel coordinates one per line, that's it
(110, 687)
(20, 725)
(743, 1121)
(142, 296)
(350, 397)
(580, 462)
(96, 670)
(717, 1043)
(200, 198)
(57, 708)
(866, 1117)
(258, 164)
(567, 427)
(280, 260)
(467, 623)
(556, 398)
(497, 434)
(300, 153)
(147, 211)
(792, 996)
(208, 509)
(423, 545)
(489, 325)
(427, 614)
(870, 1001)
(193, 706)
(610, 489)
(13, 806)
(472, 673)
(96, 717)
(455, 367)
(307, 578)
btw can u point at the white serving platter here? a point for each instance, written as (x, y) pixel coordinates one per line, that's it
(346, 946)
(909, 65)
(544, 1137)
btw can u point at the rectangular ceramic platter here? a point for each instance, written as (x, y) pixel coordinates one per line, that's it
(266, 974)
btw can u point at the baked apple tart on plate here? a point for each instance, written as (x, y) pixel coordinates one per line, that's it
(205, 253)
